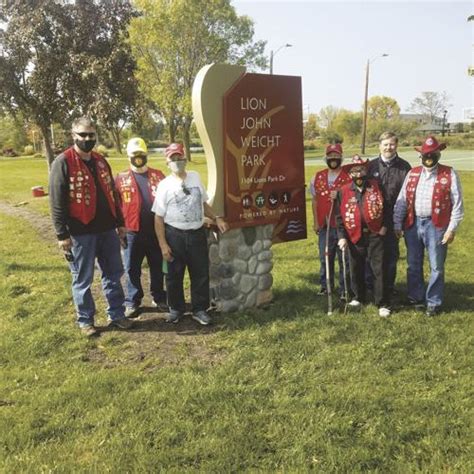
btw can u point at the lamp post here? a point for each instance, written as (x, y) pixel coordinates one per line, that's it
(444, 122)
(366, 99)
(273, 54)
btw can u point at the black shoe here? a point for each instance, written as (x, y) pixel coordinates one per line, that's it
(432, 311)
(415, 304)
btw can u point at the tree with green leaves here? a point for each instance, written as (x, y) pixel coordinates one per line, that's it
(311, 127)
(382, 108)
(63, 59)
(348, 124)
(172, 41)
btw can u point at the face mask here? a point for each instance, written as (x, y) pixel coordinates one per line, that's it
(429, 160)
(138, 161)
(334, 163)
(177, 166)
(359, 181)
(85, 145)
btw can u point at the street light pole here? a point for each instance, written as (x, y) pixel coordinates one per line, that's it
(444, 122)
(366, 100)
(273, 54)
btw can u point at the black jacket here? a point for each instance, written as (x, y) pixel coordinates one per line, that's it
(390, 179)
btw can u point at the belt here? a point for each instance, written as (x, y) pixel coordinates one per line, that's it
(423, 217)
(183, 231)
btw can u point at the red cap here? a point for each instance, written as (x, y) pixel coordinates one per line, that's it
(430, 145)
(334, 148)
(174, 149)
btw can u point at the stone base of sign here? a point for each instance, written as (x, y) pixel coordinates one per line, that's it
(240, 265)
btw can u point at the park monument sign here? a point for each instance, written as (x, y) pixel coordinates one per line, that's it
(251, 129)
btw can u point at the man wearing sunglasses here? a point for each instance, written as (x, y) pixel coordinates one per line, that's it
(137, 188)
(180, 206)
(429, 208)
(89, 225)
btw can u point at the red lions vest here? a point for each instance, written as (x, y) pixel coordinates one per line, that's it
(131, 199)
(323, 192)
(82, 189)
(372, 210)
(441, 201)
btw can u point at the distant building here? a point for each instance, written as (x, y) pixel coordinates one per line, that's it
(426, 126)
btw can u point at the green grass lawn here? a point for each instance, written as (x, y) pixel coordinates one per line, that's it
(286, 389)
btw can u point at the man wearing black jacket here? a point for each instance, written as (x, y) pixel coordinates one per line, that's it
(389, 170)
(89, 225)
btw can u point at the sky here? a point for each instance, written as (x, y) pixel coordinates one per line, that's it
(429, 43)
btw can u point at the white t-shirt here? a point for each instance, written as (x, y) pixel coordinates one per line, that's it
(180, 208)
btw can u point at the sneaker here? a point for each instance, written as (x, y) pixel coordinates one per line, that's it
(123, 323)
(322, 292)
(384, 312)
(432, 311)
(131, 311)
(202, 318)
(161, 306)
(354, 304)
(173, 317)
(89, 331)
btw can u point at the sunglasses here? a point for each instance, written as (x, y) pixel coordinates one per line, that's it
(432, 156)
(85, 134)
(185, 189)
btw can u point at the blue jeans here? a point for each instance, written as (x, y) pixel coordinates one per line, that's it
(141, 245)
(333, 250)
(105, 246)
(189, 248)
(420, 236)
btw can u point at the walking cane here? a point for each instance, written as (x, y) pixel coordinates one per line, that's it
(326, 256)
(344, 271)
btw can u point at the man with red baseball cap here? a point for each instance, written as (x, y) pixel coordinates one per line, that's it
(180, 206)
(429, 208)
(323, 188)
(361, 226)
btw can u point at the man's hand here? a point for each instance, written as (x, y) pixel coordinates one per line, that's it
(342, 243)
(448, 237)
(222, 224)
(122, 233)
(65, 245)
(166, 252)
(383, 231)
(398, 234)
(333, 195)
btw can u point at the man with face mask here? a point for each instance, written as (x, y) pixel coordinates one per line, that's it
(361, 227)
(180, 206)
(323, 188)
(429, 208)
(137, 189)
(389, 169)
(89, 225)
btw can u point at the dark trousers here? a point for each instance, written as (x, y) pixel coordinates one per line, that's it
(189, 248)
(139, 246)
(391, 254)
(369, 248)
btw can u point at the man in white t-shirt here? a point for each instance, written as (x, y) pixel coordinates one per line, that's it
(180, 207)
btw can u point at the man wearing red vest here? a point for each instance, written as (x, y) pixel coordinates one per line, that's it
(89, 225)
(429, 208)
(137, 187)
(323, 188)
(361, 226)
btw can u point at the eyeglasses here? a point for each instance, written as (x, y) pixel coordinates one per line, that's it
(185, 189)
(85, 134)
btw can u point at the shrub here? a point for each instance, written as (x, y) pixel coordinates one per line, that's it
(102, 150)
(10, 152)
(28, 150)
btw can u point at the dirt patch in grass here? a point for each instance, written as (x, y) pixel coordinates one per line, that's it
(153, 342)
